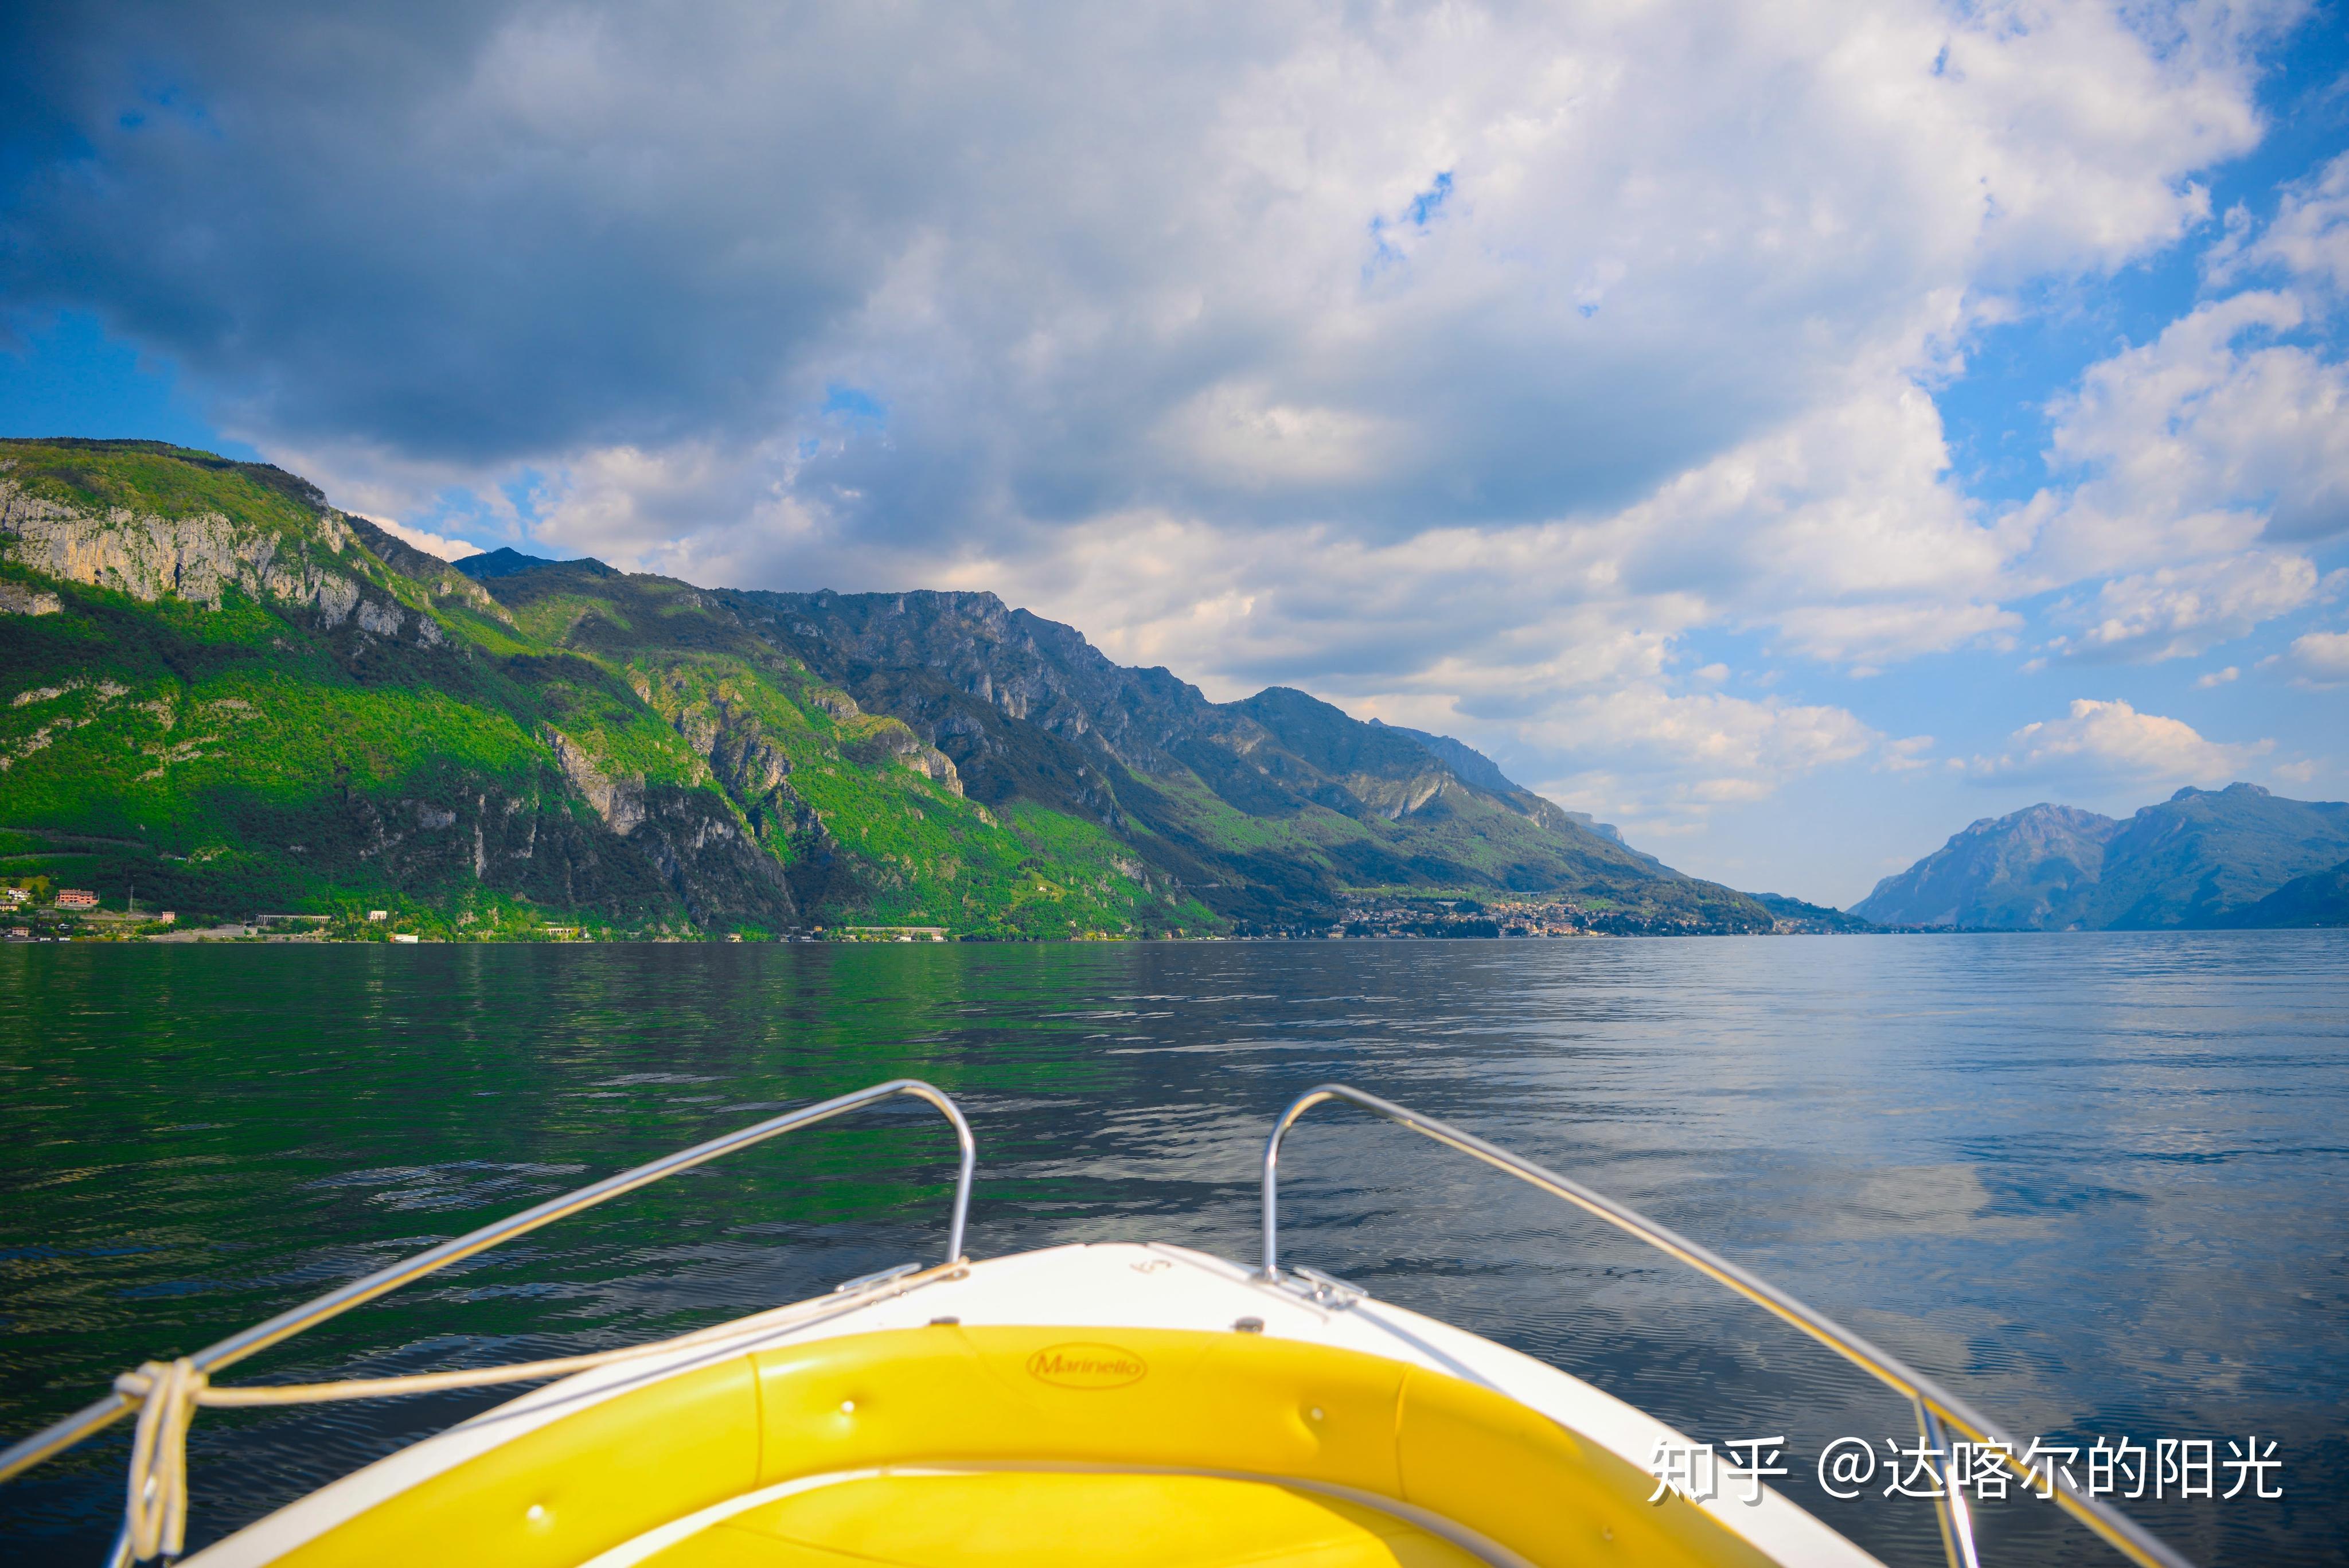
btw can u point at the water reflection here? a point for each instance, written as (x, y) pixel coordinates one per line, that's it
(2092, 1182)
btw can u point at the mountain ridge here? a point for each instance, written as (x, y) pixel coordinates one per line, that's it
(261, 700)
(2201, 859)
(505, 561)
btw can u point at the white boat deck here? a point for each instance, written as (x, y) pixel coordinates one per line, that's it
(1098, 1286)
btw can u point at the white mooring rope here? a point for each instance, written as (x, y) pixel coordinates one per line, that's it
(155, 1517)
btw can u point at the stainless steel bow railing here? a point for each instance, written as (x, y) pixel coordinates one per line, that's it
(1937, 1411)
(182, 1384)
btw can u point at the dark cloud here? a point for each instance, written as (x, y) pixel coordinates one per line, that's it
(476, 234)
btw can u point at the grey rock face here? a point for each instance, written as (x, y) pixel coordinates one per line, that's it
(715, 868)
(1275, 749)
(381, 618)
(198, 559)
(2033, 870)
(1035, 671)
(1472, 766)
(195, 558)
(17, 600)
(892, 741)
(618, 800)
(526, 838)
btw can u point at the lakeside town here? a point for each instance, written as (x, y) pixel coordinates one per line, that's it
(35, 911)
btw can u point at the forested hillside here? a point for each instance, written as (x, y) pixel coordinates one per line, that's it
(225, 691)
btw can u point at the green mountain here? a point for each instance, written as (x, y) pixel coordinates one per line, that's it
(2319, 898)
(2201, 858)
(1470, 765)
(1797, 918)
(222, 689)
(2034, 870)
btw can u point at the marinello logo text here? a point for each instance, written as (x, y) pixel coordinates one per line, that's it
(1087, 1367)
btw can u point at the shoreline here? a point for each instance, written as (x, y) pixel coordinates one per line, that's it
(222, 936)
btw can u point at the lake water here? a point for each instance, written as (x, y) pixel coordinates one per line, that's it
(2094, 1184)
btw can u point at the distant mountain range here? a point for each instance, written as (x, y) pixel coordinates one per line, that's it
(1792, 915)
(223, 691)
(2239, 856)
(226, 693)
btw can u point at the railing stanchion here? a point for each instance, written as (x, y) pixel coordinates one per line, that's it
(1949, 1501)
(95, 1418)
(1938, 1408)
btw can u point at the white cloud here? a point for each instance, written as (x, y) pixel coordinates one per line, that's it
(431, 543)
(697, 510)
(1109, 257)
(1660, 763)
(2320, 658)
(2112, 743)
(1907, 755)
(2210, 679)
(1833, 525)
(2309, 237)
(2180, 611)
(2197, 445)
(1837, 530)
(1242, 434)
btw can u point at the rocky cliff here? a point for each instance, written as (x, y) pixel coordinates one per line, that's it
(2033, 870)
(1026, 708)
(251, 699)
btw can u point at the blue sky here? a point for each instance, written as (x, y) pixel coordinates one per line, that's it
(1789, 436)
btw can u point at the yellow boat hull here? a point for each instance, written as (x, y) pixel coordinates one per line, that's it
(1155, 1447)
(1097, 1404)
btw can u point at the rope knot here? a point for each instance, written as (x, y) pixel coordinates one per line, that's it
(155, 1517)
